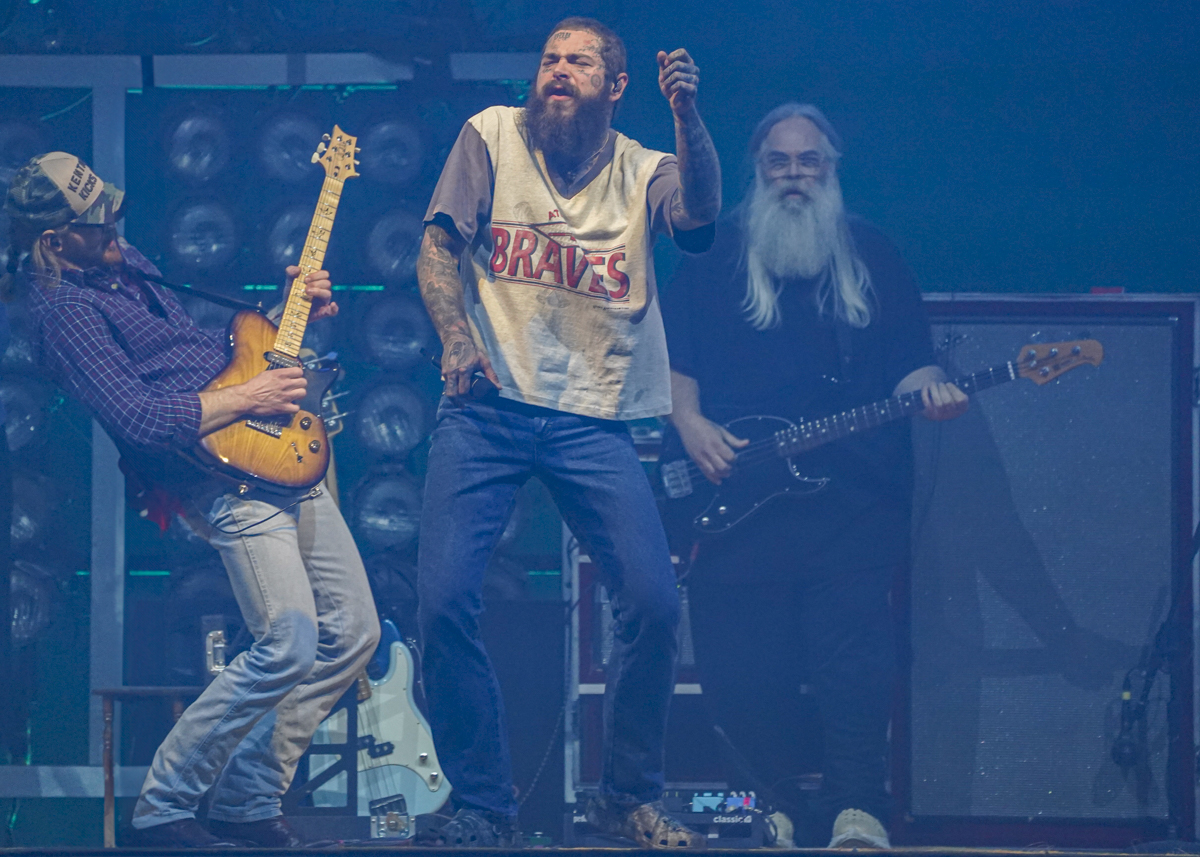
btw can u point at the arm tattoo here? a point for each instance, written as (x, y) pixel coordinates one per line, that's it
(440, 283)
(699, 174)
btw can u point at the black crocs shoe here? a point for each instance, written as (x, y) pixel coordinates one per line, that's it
(472, 828)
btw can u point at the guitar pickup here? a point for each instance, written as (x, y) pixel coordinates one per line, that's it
(378, 751)
(375, 749)
(392, 803)
(676, 480)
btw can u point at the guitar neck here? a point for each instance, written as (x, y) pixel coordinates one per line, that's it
(295, 313)
(814, 433)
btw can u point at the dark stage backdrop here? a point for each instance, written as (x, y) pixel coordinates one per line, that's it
(1041, 147)
(1049, 525)
(1037, 147)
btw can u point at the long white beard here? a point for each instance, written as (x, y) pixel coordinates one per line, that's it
(798, 237)
(794, 237)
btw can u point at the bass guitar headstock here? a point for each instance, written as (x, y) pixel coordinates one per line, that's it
(336, 154)
(1044, 361)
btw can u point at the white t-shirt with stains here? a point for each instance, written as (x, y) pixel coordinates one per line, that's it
(558, 279)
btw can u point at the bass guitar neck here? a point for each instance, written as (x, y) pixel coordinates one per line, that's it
(765, 469)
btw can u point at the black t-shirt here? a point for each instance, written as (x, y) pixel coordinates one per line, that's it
(796, 371)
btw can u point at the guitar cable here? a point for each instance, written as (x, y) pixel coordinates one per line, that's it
(562, 714)
(1129, 747)
(314, 493)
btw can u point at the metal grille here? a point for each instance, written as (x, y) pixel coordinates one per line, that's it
(1043, 549)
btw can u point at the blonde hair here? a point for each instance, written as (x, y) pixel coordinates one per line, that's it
(47, 260)
(45, 263)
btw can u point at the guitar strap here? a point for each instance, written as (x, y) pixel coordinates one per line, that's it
(204, 294)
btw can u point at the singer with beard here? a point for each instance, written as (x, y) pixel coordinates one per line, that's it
(800, 311)
(537, 271)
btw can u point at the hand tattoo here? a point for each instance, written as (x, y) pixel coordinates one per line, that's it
(454, 353)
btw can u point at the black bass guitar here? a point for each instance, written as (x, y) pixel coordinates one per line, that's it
(767, 466)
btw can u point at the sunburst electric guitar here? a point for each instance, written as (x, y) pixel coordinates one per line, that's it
(289, 450)
(770, 465)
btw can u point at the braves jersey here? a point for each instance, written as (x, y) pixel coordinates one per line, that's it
(558, 280)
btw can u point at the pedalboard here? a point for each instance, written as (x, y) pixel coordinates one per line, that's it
(729, 819)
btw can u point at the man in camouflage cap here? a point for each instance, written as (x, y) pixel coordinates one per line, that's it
(55, 189)
(127, 350)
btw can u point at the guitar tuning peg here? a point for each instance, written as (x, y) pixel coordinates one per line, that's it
(316, 157)
(321, 147)
(356, 163)
(357, 149)
(326, 137)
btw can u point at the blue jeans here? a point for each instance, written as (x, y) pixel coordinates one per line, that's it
(304, 595)
(482, 453)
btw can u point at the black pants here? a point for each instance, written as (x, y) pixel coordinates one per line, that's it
(765, 622)
(9, 716)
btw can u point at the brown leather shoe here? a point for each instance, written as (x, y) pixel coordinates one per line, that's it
(265, 833)
(184, 833)
(646, 824)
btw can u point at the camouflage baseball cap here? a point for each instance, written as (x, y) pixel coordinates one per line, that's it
(58, 188)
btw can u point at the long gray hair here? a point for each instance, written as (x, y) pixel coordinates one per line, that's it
(844, 283)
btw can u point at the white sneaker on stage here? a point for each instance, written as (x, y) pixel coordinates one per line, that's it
(854, 828)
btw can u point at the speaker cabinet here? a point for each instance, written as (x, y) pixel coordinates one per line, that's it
(1052, 532)
(692, 755)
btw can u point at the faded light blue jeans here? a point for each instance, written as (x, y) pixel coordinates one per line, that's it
(482, 452)
(303, 593)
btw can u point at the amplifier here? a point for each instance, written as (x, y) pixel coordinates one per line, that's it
(1051, 544)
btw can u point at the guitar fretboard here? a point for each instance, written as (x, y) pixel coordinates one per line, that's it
(813, 433)
(295, 313)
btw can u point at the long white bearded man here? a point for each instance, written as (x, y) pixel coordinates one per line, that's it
(800, 311)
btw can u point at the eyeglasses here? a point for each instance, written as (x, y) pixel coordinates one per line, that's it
(776, 164)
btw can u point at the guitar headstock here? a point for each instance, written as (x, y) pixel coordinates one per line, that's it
(1044, 361)
(336, 154)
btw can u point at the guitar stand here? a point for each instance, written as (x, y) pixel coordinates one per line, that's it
(330, 822)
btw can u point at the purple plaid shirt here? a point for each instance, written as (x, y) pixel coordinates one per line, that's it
(128, 351)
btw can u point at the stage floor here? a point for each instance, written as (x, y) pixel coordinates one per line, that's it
(1164, 848)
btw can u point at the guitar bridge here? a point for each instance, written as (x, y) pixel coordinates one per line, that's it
(274, 429)
(390, 818)
(676, 480)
